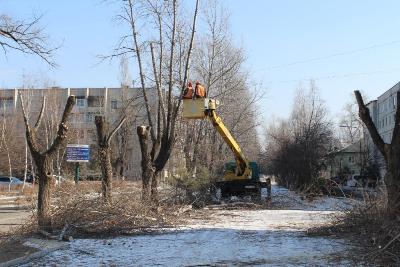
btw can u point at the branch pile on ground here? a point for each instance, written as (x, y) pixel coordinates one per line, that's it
(79, 213)
(372, 228)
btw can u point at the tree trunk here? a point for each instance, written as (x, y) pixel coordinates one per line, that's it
(44, 194)
(390, 152)
(26, 166)
(103, 141)
(392, 181)
(148, 171)
(44, 160)
(106, 170)
(393, 189)
(154, 187)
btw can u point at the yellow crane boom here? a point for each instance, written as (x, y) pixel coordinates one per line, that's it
(241, 177)
(204, 107)
(243, 170)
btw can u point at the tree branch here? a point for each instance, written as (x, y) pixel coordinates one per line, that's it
(170, 68)
(185, 77)
(27, 37)
(62, 127)
(366, 118)
(141, 71)
(39, 119)
(160, 95)
(30, 136)
(116, 129)
(23, 111)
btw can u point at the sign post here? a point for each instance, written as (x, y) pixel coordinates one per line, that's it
(77, 172)
(77, 154)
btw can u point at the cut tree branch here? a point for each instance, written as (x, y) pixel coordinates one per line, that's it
(62, 127)
(366, 118)
(39, 119)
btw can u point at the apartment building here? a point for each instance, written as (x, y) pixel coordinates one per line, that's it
(90, 102)
(383, 112)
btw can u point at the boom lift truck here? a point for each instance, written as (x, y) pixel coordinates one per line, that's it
(240, 178)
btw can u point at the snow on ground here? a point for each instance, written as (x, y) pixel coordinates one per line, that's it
(283, 198)
(226, 238)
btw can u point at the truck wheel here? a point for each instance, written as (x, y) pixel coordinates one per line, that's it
(256, 196)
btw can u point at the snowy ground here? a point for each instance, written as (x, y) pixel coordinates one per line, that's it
(273, 237)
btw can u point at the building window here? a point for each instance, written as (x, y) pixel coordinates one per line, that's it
(90, 117)
(95, 101)
(6, 102)
(80, 101)
(114, 104)
(350, 159)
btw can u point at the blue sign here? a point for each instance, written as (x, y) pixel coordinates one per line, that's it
(78, 153)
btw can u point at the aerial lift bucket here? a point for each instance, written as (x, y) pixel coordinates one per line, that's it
(195, 108)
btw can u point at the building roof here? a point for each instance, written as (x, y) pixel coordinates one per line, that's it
(356, 147)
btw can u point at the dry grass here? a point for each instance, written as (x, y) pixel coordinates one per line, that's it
(375, 234)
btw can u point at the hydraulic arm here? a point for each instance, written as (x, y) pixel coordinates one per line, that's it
(205, 107)
(243, 170)
(240, 178)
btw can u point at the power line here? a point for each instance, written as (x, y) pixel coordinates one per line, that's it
(341, 76)
(333, 55)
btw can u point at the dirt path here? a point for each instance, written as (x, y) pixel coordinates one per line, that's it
(227, 238)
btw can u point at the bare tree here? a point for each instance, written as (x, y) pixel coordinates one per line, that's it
(220, 67)
(26, 37)
(43, 158)
(172, 77)
(103, 140)
(350, 125)
(390, 152)
(296, 147)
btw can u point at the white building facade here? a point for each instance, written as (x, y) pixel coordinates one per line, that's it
(383, 114)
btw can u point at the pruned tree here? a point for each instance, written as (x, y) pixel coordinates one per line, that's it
(104, 150)
(25, 36)
(170, 75)
(43, 158)
(390, 152)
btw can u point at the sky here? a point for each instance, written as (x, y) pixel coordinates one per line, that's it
(343, 45)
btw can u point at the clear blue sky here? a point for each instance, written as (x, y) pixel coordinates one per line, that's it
(343, 45)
